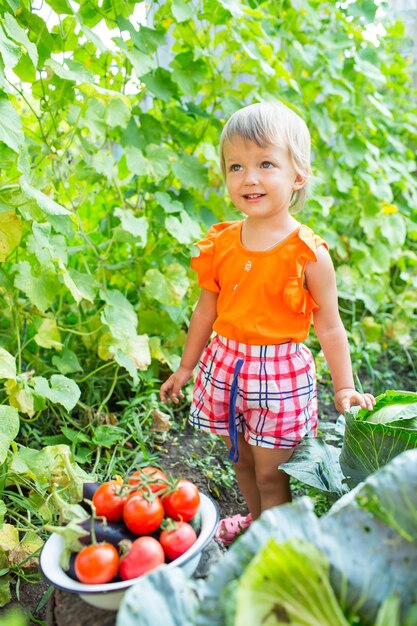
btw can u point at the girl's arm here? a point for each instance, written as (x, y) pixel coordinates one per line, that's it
(199, 331)
(321, 283)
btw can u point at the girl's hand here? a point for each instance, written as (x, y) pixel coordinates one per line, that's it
(171, 389)
(345, 398)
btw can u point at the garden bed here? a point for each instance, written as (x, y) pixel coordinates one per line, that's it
(196, 456)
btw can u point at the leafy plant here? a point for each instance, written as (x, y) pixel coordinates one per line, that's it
(371, 439)
(352, 566)
(32, 487)
(109, 173)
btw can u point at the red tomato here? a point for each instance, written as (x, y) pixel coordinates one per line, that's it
(145, 554)
(142, 516)
(176, 542)
(96, 564)
(109, 501)
(183, 503)
(153, 477)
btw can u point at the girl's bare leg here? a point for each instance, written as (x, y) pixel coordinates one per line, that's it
(273, 485)
(261, 484)
(246, 476)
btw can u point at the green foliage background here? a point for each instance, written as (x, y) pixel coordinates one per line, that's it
(109, 172)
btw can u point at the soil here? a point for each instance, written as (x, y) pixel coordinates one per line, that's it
(181, 455)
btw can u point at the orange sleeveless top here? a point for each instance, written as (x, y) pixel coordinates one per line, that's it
(262, 299)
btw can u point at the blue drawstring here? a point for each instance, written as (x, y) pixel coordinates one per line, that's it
(234, 451)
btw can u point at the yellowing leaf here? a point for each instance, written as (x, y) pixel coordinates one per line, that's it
(10, 233)
(104, 344)
(9, 425)
(7, 364)
(20, 397)
(9, 537)
(21, 554)
(137, 348)
(48, 335)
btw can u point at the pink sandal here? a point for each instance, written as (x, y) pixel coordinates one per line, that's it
(230, 528)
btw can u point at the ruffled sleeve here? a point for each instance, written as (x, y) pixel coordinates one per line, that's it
(203, 262)
(296, 297)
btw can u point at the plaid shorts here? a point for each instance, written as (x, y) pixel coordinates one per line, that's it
(268, 393)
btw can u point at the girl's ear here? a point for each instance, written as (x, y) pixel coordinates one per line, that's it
(299, 182)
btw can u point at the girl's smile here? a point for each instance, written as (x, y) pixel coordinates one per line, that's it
(254, 196)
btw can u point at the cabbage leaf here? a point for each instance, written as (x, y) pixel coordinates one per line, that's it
(287, 583)
(373, 438)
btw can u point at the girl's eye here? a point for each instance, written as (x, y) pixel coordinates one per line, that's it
(235, 167)
(267, 164)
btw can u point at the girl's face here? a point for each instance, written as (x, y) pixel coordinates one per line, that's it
(260, 181)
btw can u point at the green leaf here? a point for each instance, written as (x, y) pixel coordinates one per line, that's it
(394, 230)
(10, 125)
(168, 288)
(67, 362)
(160, 158)
(389, 499)
(343, 179)
(59, 390)
(49, 206)
(6, 594)
(289, 581)
(117, 113)
(61, 6)
(141, 62)
(119, 315)
(81, 286)
(137, 162)
(181, 10)
(74, 71)
(3, 511)
(368, 446)
(103, 163)
(17, 33)
(9, 422)
(136, 226)
(379, 105)
(389, 612)
(108, 436)
(189, 171)
(10, 52)
(41, 290)
(167, 203)
(7, 364)
(160, 84)
(52, 466)
(370, 71)
(316, 463)
(161, 597)
(183, 228)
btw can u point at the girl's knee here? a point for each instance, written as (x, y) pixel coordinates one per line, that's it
(269, 479)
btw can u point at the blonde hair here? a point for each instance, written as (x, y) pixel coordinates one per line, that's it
(267, 123)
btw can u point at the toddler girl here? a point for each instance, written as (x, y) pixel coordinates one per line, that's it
(264, 280)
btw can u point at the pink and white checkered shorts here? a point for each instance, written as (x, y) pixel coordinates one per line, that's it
(268, 393)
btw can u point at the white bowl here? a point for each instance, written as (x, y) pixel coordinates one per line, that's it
(109, 595)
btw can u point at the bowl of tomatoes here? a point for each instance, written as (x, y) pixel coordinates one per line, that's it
(133, 527)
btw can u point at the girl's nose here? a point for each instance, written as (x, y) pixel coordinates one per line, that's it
(251, 177)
